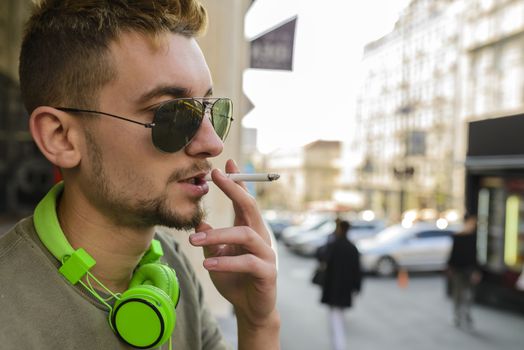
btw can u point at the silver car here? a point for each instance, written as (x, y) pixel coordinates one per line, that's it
(313, 222)
(421, 247)
(307, 244)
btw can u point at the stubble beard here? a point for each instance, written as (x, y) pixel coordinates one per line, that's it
(156, 211)
(126, 211)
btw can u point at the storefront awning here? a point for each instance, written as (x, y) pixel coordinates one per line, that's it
(495, 162)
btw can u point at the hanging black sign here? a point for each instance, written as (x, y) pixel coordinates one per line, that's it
(274, 49)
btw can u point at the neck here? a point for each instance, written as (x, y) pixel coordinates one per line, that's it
(117, 250)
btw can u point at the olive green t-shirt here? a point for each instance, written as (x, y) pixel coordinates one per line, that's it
(40, 310)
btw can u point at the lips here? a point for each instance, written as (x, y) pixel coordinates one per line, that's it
(196, 180)
(195, 186)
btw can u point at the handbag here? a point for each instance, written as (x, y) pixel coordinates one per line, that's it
(319, 275)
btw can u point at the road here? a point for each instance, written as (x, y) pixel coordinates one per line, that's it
(386, 316)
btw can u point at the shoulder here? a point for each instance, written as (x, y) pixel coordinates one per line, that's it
(353, 246)
(173, 255)
(22, 250)
(22, 242)
(462, 236)
(9, 240)
(347, 244)
(167, 240)
(31, 286)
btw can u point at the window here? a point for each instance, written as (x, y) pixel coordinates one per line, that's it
(434, 234)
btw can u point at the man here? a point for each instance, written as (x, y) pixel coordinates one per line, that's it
(463, 271)
(93, 74)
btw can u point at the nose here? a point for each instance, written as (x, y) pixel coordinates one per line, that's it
(205, 143)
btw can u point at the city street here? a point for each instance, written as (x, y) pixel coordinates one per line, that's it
(386, 316)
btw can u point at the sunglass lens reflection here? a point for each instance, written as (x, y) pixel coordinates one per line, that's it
(176, 122)
(221, 117)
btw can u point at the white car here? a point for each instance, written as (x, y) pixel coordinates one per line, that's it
(313, 222)
(421, 247)
(307, 243)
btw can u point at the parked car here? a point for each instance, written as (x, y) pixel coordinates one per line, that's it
(278, 225)
(317, 234)
(311, 223)
(307, 243)
(421, 247)
(363, 229)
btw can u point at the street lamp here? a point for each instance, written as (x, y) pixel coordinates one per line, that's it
(403, 174)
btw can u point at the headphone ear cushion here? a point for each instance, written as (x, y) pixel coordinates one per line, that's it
(174, 290)
(160, 276)
(144, 316)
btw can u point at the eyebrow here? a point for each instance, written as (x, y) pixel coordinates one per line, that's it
(173, 91)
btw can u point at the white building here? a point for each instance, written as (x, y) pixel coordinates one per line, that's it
(445, 63)
(494, 49)
(408, 104)
(309, 176)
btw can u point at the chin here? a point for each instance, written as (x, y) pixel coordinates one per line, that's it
(182, 219)
(186, 208)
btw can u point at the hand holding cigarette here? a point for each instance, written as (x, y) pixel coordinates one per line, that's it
(241, 260)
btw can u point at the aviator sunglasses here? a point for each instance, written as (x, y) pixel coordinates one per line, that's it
(176, 121)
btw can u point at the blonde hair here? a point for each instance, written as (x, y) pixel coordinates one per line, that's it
(65, 58)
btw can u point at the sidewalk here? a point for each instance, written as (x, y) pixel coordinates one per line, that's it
(385, 316)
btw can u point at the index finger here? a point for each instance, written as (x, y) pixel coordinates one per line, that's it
(234, 191)
(231, 167)
(245, 206)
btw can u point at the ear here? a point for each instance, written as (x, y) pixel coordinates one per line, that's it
(55, 134)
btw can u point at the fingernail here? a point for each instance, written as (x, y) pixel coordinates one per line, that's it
(198, 236)
(211, 262)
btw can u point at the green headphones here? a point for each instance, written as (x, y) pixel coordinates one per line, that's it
(144, 315)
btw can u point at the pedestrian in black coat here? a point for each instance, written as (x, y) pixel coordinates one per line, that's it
(463, 271)
(343, 279)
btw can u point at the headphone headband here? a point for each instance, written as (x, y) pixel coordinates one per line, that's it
(47, 225)
(148, 305)
(75, 264)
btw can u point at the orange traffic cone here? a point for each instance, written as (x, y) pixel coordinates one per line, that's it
(402, 278)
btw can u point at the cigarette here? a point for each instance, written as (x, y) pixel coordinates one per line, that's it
(251, 177)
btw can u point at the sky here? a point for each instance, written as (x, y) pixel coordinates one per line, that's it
(317, 99)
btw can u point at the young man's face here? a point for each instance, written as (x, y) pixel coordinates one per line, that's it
(122, 172)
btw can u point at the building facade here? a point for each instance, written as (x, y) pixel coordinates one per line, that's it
(406, 107)
(309, 176)
(494, 50)
(445, 62)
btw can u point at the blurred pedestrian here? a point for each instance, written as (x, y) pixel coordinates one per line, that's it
(342, 280)
(463, 272)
